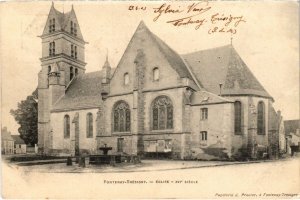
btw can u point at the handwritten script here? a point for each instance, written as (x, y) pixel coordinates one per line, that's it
(196, 15)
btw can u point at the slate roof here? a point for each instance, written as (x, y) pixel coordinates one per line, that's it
(204, 97)
(63, 19)
(290, 126)
(172, 56)
(224, 65)
(18, 139)
(209, 67)
(83, 92)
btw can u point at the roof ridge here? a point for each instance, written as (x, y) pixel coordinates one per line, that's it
(240, 60)
(213, 94)
(210, 49)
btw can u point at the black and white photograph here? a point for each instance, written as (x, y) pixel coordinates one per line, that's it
(150, 99)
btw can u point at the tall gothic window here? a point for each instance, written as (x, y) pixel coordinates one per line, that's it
(156, 74)
(75, 29)
(66, 126)
(162, 113)
(51, 48)
(72, 50)
(121, 117)
(89, 125)
(237, 118)
(72, 28)
(52, 25)
(71, 73)
(75, 51)
(261, 130)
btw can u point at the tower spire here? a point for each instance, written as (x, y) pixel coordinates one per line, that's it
(106, 55)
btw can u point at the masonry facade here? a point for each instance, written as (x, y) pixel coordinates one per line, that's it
(155, 102)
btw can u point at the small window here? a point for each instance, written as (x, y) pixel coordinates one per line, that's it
(126, 79)
(50, 26)
(66, 126)
(72, 28)
(72, 50)
(53, 25)
(237, 118)
(156, 74)
(49, 69)
(261, 127)
(51, 48)
(71, 73)
(76, 71)
(89, 125)
(75, 29)
(204, 113)
(203, 135)
(75, 50)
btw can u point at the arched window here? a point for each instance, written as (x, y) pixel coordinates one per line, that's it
(75, 50)
(50, 49)
(53, 48)
(72, 50)
(261, 130)
(237, 118)
(49, 69)
(89, 125)
(121, 117)
(50, 26)
(72, 28)
(126, 79)
(75, 29)
(156, 74)
(53, 25)
(66, 126)
(162, 113)
(71, 73)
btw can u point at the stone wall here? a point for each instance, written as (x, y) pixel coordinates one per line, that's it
(61, 144)
(219, 128)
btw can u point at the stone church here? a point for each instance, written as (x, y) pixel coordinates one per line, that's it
(155, 102)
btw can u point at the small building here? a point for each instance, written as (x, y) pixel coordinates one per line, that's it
(19, 145)
(7, 142)
(292, 132)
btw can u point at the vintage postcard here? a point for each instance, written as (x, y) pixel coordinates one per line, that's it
(150, 99)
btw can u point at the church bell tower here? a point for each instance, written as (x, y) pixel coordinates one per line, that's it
(62, 60)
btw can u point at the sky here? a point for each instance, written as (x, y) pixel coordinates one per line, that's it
(267, 40)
